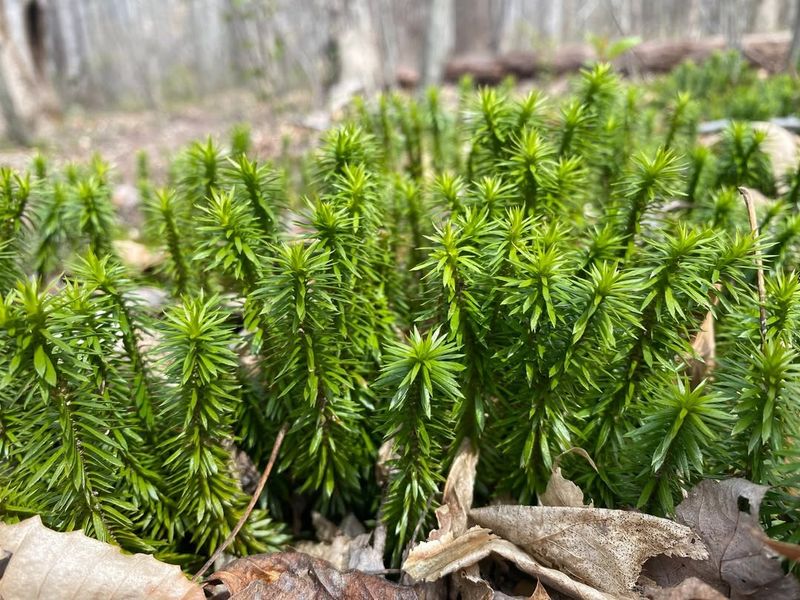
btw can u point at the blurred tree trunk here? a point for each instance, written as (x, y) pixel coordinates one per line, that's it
(25, 95)
(354, 51)
(439, 40)
(473, 26)
(734, 21)
(794, 50)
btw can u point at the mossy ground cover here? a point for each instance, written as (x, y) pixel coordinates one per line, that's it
(528, 273)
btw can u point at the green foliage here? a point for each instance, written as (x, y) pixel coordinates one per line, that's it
(681, 424)
(420, 375)
(198, 413)
(167, 222)
(562, 256)
(240, 139)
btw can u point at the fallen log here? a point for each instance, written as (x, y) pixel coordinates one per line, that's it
(764, 51)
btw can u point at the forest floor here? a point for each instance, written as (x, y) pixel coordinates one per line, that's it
(118, 135)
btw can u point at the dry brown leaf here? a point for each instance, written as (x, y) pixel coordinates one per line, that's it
(452, 518)
(298, 576)
(471, 587)
(705, 348)
(430, 561)
(457, 495)
(383, 465)
(561, 491)
(346, 546)
(365, 556)
(540, 593)
(689, 589)
(601, 547)
(336, 552)
(724, 514)
(71, 565)
(151, 299)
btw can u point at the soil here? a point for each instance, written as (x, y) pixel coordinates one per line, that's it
(118, 135)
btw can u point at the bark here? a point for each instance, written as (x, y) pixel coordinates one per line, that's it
(356, 52)
(439, 40)
(25, 95)
(139, 52)
(794, 49)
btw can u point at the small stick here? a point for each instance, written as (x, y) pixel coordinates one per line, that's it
(762, 289)
(243, 519)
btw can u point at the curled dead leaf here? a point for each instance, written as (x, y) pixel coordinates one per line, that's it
(704, 346)
(346, 546)
(71, 565)
(458, 489)
(603, 548)
(561, 491)
(430, 561)
(540, 593)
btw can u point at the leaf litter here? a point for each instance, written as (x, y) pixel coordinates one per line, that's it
(740, 564)
(37, 562)
(715, 549)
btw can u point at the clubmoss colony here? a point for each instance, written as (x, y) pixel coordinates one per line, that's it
(528, 273)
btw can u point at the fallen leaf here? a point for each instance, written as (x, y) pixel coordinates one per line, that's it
(457, 495)
(151, 299)
(71, 565)
(297, 576)
(452, 519)
(561, 491)
(724, 514)
(383, 465)
(601, 547)
(430, 561)
(345, 546)
(365, 556)
(785, 549)
(705, 349)
(688, 589)
(540, 593)
(472, 587)
(336, 552)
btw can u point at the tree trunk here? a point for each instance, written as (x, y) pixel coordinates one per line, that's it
(794, 50)
(355, 52)
(25, 96)
(439, 40)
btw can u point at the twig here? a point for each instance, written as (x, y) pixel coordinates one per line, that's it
(243, 519)
(383, 572)
(762, 290)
